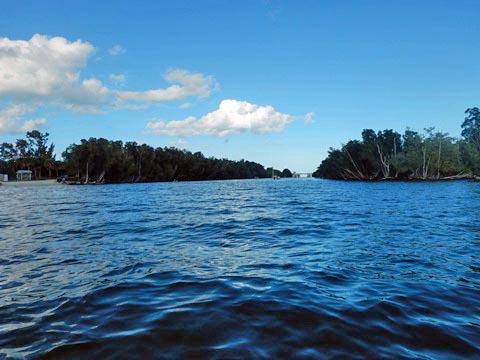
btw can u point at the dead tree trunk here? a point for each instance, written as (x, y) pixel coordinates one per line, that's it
(101, 177)
(384, 163)
(360, 174)
(139, 167)
(439, 158)
(426, 164)
(86, 175)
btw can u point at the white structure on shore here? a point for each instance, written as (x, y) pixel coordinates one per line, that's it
(3, 177)
(301, 175)
(24, 175)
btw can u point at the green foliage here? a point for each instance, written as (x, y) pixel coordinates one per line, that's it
(389, 155)
(470, 147)
(286, 173)
(470, 156)
(471, 127)
(101, 160)
(32, 153)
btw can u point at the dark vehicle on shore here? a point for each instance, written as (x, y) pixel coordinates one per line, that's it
(63, 179)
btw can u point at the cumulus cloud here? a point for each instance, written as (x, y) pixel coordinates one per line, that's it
(40, 66)
(30, 125)
(185, 84)
(232, 117)
(46, 70)
(11, 119)
(117, 50)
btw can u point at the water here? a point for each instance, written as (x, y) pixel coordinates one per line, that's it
(241, 269)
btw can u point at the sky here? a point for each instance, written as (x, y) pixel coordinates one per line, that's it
(277, 82)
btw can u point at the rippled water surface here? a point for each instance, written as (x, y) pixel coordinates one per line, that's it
(298, 268)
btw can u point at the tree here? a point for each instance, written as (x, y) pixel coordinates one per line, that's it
(39, 151)
(32, 152)
(389, 155)
(7, 152)
(101, 160)
(471, 127)
(271, 172)
(470, 147)
(286, 173)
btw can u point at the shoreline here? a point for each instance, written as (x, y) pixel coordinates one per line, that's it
(471, 179)
(48, 182)
(52, 182)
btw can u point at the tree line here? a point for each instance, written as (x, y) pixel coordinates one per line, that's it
(102, 160)
(99, 160)
(30, 153)
(387, 154)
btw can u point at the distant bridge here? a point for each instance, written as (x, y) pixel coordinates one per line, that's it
(302, 175)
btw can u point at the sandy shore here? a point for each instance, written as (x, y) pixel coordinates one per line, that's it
(30, 183)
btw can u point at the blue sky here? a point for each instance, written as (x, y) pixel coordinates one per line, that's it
(353, 64)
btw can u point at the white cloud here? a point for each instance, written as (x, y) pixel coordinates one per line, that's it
(11, 119)
(181, 144)
(185, 84)
(310, 117)
(46, 71)
(117, 50)
(30, 125)
(232, 117)
(117, 78)
(186, 105)
(40, 66)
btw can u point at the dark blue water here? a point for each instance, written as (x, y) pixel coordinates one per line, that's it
(241, 269)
